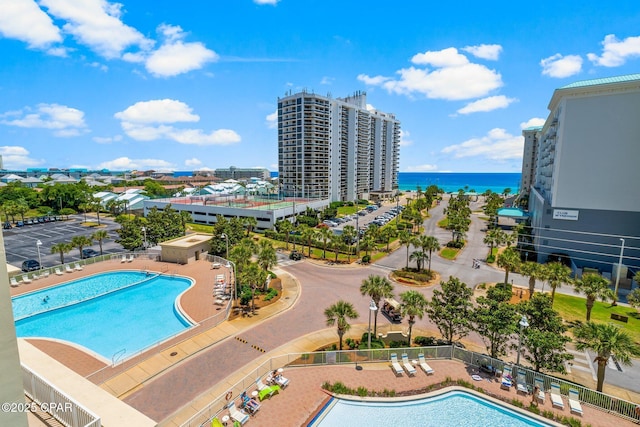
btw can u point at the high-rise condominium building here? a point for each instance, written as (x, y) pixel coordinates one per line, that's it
(336, 149)
(531, 136)
(583, 199)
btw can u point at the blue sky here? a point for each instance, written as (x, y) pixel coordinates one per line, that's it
(169, 85)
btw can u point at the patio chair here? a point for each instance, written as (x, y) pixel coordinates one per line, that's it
(46, 274)
(237, 415)
(265, 391)
(574, 401)
(131, 258)
(541, 394)
(424, 365)
(521, 385)
(407, 365)
(14, 282)
(506, 381)
(249, 404)
(68, 268)
(124, 259)
(397, 369)
(26, 279)
(78, 267)
(58, 272)
(556, 396)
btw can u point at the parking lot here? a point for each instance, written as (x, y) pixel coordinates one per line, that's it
(21, 242)
(361, 220)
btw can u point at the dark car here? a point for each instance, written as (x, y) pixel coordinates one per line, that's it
(7, 226)
(19, 224)
(296, 256)
(89, 253)
(30, 265)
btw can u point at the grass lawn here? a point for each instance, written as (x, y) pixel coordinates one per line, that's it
(348, 210)
(201, 228)
(443, 223)
(449, 253)
(573, 308)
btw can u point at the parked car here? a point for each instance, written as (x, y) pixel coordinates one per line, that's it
(19, 224)
(329, 223)
(89, 253)
(296, 256)
(7, 225)
(30, 265)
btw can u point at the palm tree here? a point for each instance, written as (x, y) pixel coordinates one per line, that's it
(593, 286)
(406, 239)
(250, 222)
(99, 236)
(285, 227)
(81, 242)
(509, 260)
(267, 257)
(61, 248)
(606, 340)
(338, 314)
(386, 234)
(367, 243)
(419, 257)
(307, 234)
(376, 287)
(325, 235)
(494, 237)
(556, 274)
(349, 234)
(413, 305)
(337, 242)
(428, 244)
(533, 271)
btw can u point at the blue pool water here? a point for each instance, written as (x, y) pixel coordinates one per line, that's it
(455, 408)
(126, 319)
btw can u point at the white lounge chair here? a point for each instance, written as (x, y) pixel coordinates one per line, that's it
(46, 274)
(281, 381)
(574, 401)
(68, 268)
(397, 369)
(541, 394)
(407, 365)
(58, 272)
(237, 414)
(424, 365)
(506, 381)
(131, 258)
(78, 267)
(26, 279)
(556, 396)
(124, 259)
(522, 383)
(14, 282)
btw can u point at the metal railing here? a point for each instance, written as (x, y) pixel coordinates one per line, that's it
(53, 401)
(597, 400)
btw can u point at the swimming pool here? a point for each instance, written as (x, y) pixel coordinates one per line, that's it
(109, 313)
(453, 408)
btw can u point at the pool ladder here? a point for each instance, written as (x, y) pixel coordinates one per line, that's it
(117, 356)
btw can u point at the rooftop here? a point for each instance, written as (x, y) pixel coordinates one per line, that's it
(603, 81)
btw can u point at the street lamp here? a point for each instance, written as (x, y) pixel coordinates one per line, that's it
(615, 292)
(372, 307)
(225, 237)
(523, 324)
(144, 232)
(38, 244)
(229, 265)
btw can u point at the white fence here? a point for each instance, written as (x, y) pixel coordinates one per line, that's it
(603, 402)
(53, 401)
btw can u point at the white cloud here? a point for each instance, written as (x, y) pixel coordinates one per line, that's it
(485, 51)
(535, 121)
(107, 139)
(125, 163)
(24, 20)
(193, 162)
(16, 157)
(272, 120)
(404, 138)
(62, 120)
(158, 111)
(421, 168)
(486, 104)
(270, 2)
(559, 66)
(151, 120)
(273, 167)
(496, 145)
(370, 107)
(175, 56)
(615, 52)
(327, 80)
(97, 24)
(100, 66)
(452, 77)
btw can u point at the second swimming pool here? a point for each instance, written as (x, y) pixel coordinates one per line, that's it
(106, 321)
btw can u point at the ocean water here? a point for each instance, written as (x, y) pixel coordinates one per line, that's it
(452, 182)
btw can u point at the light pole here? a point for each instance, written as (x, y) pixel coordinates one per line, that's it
(38, 244)
(144, 232)
(615, 292)
(372, 307)
(226, 238)
(524, 323)
(233, 287)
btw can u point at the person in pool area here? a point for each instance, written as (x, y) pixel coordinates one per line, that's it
(249, 403)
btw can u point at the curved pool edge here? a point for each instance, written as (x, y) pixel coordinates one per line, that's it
(431, 394)
(177, 304)
(73, 345)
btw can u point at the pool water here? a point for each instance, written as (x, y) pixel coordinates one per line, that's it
(455, 408)
(123, 321)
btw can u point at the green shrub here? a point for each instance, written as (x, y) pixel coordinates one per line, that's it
(455, 245)
(482, 286)
(534, 409)
(366, 259)
(491, 259)
(271, 294)
(362, 391)
(398, 344)
(424, 341)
